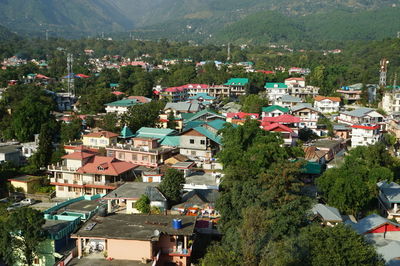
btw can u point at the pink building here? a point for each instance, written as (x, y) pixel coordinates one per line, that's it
(138, 238)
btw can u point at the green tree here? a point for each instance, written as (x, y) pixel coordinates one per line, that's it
(306, 134)
(172, 124)
(42, 157)
(171, 185)
(253, 103)
(143, 115)
(143, 204)
(71, 131)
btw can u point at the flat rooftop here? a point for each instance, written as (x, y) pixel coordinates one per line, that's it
(55, 226)
(129, 190)
(136, 226)
(201, 178)
(82, 206)
(25, 178)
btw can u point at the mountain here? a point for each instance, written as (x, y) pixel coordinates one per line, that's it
(6, 34)
(60, 17)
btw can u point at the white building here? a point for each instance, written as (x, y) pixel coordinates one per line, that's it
(308, 115)
(120, 107)
(276, 91)
(391, 102)
(327, 104)
(359, 116)
(364, 135)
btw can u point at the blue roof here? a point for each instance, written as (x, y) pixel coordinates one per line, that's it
(126, 133)
(156, 133)
(214, 137)
(193, 124)
(217, 124)
(203, 95)
(172, 141)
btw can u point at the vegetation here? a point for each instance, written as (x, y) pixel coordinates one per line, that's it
(143, 204)
(172, 185)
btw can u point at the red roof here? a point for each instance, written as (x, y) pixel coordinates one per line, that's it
(320, 98)
(78, 155)
(296, 79)
(117, 93)
(186, 87)
(40, 76)
(140, 99)
(277, 128)
(106, 166)
(242, 115)
(368, 127)
(266, 71)
(285, 118)
(82, 76)
(81, 148)
(106, 134)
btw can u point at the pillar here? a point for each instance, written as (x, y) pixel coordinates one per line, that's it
(395, 208)
(79, 246)
(185, 242)
(109, 207)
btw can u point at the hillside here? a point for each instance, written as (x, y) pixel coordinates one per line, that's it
(67, 18)
(6, 34)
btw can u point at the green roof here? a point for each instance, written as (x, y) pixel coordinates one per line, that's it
(173, 141)
(126, 133)
(203, 95)
(312, 168)
(113, 85)
(218, 124)
(275, 107)
(193, 124)
(123, 102)
(156, 133)
(214, 137)
(237, 81)
(275, 85)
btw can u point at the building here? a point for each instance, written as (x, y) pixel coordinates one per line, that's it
(327, 104)
(288, 135)
(145, 151)
(331, 147)
(11, 153)
(120, 107)
(84, 173)
(287, 101)
(276, 91)
(174, 94)
(307, 114)
(273, 111)
(365, 134)
(123, 199)
(285, 119)
(351, 93)
(154, 238)
(297, 87)
(240, 117)
(202, 98)
(359, 116)
(219, 91)
(199, 202)
(375, 226)
(389, 199)
(177, 109)
(295, 82)
(391, 102)
(238, 86)
(100, 139)
(30, 148)
(328, 215)
(27, 183)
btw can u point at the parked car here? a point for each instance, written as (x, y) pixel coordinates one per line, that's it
(27, 202)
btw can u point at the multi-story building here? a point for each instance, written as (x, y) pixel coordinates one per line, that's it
(360, 116)
(297, 87)
(391, 102)
(84, 173)
(120, 107)
(276, 91)
(287, 101)
(327, 104)
(365, 134)
(100, 139)
(143, 151)
(238, 86)
(351, 93)
(219, 91)
(307, 114)
(273, 111)
(174, 94)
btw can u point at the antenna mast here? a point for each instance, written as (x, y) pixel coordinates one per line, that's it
(70, 77)
(229, 52)
(383, 71)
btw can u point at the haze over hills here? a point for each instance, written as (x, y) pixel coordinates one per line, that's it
(241, 21)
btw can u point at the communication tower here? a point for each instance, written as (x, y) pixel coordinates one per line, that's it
(70, 77)
(383, 72)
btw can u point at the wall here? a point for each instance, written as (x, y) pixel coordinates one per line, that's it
(129, 249)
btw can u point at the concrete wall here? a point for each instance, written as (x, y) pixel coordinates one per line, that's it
(185, 142)
(129, 249)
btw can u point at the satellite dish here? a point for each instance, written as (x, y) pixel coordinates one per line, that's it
(156, 233)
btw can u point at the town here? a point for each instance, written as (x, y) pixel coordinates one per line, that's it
(103, 164)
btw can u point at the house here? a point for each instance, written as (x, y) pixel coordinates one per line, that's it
(342, 131)
(27, 183)
(389, 199)
(174, 94)
(11, 153)
(313, 154)
(152, 176)
(307, 114)
(84, 173)
(332, 147)
(177, 109)
(123, 199)
(375, 226)
(205, 115)
(203, 98)
(276, 90)
(120, 107)
(295, 82)
(240, 117)
(287, 101)
(157, 133)
(238, 86)
(297, 87)
(154, 238)
(359, 116)
(144, 151)
(219, 91)
(391, 101)
(100, 139)
(30, 148)
(185, 167)
(140, 99)
(273, 111)
(198, 202)
(365, 134)
(285, 119)
(195, 89)
(288, 135)
(351, 93)
(327, 104)
(328, 215)
(298, 71)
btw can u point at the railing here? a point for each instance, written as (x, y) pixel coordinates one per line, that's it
(62, 168)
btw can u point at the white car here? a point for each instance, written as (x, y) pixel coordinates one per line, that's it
(27, 202)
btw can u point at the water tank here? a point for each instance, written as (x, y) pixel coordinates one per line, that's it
(177, 223)
(102, 211)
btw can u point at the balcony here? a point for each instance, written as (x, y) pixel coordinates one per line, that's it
(62, 168)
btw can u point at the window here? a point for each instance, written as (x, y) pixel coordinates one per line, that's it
(133, 205)
(97, 178)
(121, 155)
(36, 260)
(145, 158)
(191, 141)
(193, 153)
(134, 157)
(60, 188)
(202, 142)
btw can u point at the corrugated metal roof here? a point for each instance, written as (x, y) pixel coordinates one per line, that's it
(275, 107)
(371, 222)
(390, 190)
(278, 85)
(237, 82)
(290, 98)
(327, 213)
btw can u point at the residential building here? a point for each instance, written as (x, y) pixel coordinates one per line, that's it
(174, 94)
(30, 148)
(327, 104)
(11, 153)
(156, 133)
(194, 89)
(288, 135)
(285, 119)
(177, 109)
(299, 71)
(240, 117)
(313, 154)
(328, 215)
(219, 91)
(342, 131)
(140, 99)
(123, 199)
(120, 107)
(154, 238)
(374, 226)
(297, 87)
(332, 147)
(276, 91)
(200, 117)
(27, 183)
(199, 202)
(144, 151)
(238, 86)
(391, 101)
(202, 98)
(365, 134)
(351, 93)
(359, 116)
(100, 139)
(295, 82)
(389, 199)
(287, 101)
(307, 114)
(273, 111)
(84, 173)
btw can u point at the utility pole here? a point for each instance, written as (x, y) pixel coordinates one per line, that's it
(229, 52)
(383, 72)
(70, 77)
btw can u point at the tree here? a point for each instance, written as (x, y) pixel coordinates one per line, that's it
(42, 157)
(142, 115)
(109, 122)
(172, 185)
(253, 103)
(143, 204)
(307, 134)
(71, 131)
(24, 233)
(172, 124)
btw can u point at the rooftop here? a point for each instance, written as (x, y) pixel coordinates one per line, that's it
(82, 206)
(275, 85)
(327, 213)
(237, 82)
(134, 190)
(371, 222)
(25, 178)
(275, 107)
(141, 227)
(123, 103)
(390, 190)
(106, 134)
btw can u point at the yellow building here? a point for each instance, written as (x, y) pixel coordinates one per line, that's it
(100, 139)
(26, 183)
